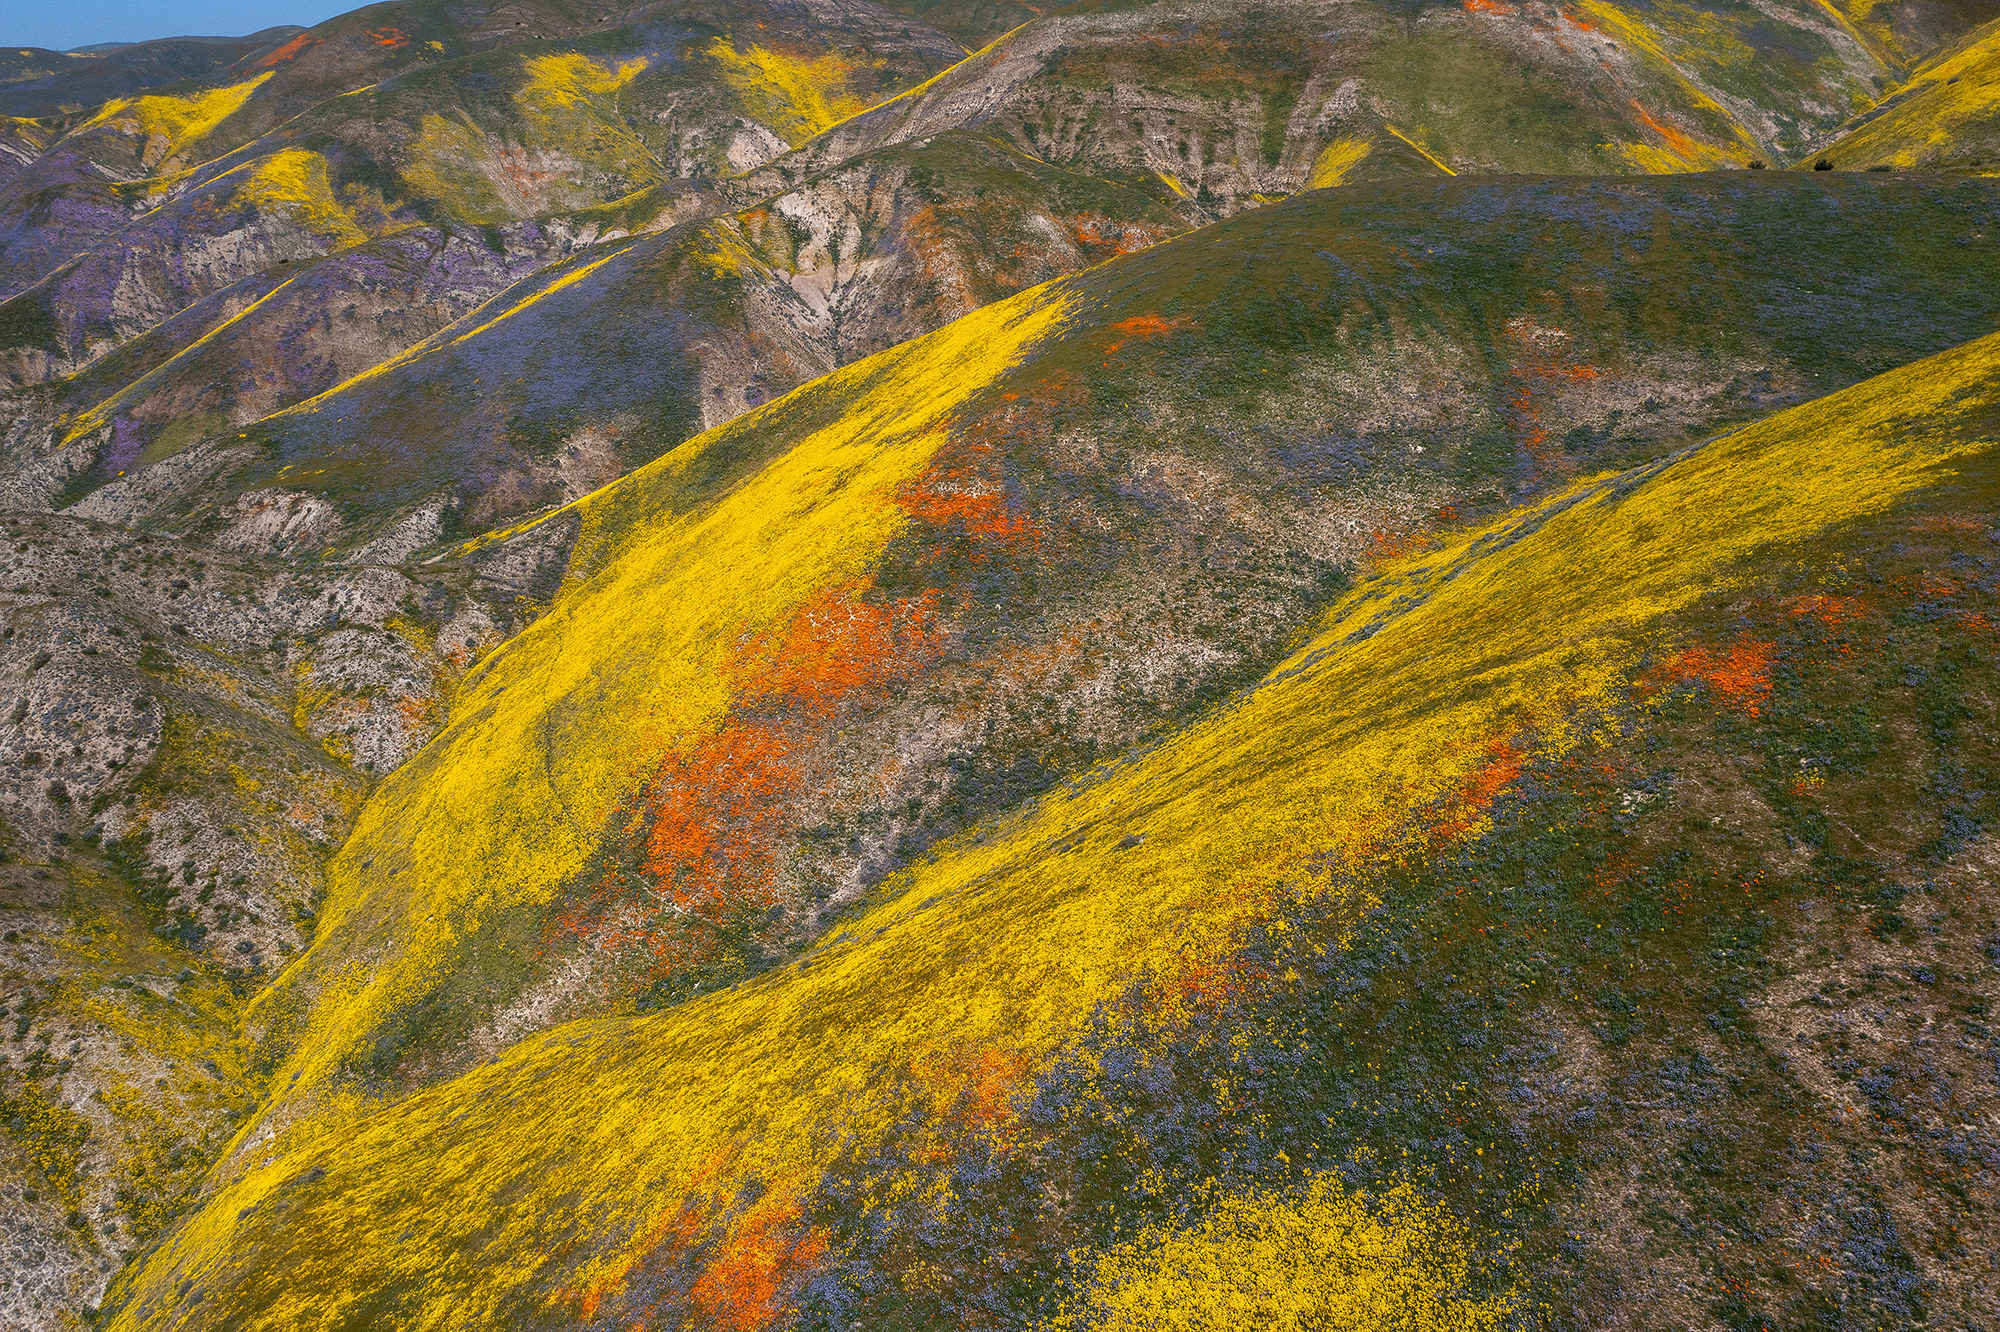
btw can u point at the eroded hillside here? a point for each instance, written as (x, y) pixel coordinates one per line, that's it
(1946, 117)
(815, 664)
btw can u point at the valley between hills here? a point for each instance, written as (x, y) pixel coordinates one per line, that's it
(1154, 665)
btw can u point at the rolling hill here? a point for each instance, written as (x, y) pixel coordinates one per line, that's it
(809, 664)
(1357, 825)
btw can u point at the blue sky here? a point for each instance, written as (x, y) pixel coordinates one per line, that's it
(63, 24)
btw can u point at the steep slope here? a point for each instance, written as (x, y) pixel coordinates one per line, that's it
(771, 759)
(396, 125)
(1237, 103)
(1468, 334)
(973, 22)
(271, 211)
(623, 716)
(689, 93)
(21, 142)
(634, 122)
(186, 735)
(262, 344)
(1947, 117)
(68, 200)
(736, 768)
(1021, 1021)
(1911, 31)
(586, 371)
(446, 116)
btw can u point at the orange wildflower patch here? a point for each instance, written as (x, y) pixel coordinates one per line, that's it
(1946, 525)
(1461, 814)
(700, 1270)
(285, 52)
(721, 807)
(1540, 363)
(934, 236)
(1146, 326)
(389, 37)
(1152, 326)
(834, 646)
(1827, 608)
(719, 810)
(1675, 140)
(303, 815)
(990, 1082)
(971, 1092)
(1397, 536)
(418, 711)
(1387, 545)
(945, 499)
(1205, 984)
(1487, 7)
(522, 172)
(745, 1286)
(1094, 229)
(1739, 675)
(667, 1239)
(965, 490)
(672, 1233)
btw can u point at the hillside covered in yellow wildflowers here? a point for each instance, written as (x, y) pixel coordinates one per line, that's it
(1159, 665)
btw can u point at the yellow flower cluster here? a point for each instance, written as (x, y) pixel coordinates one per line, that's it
(1289, 1262)
(172, 125)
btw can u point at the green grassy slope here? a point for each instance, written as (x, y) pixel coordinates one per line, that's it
(1379, 746)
